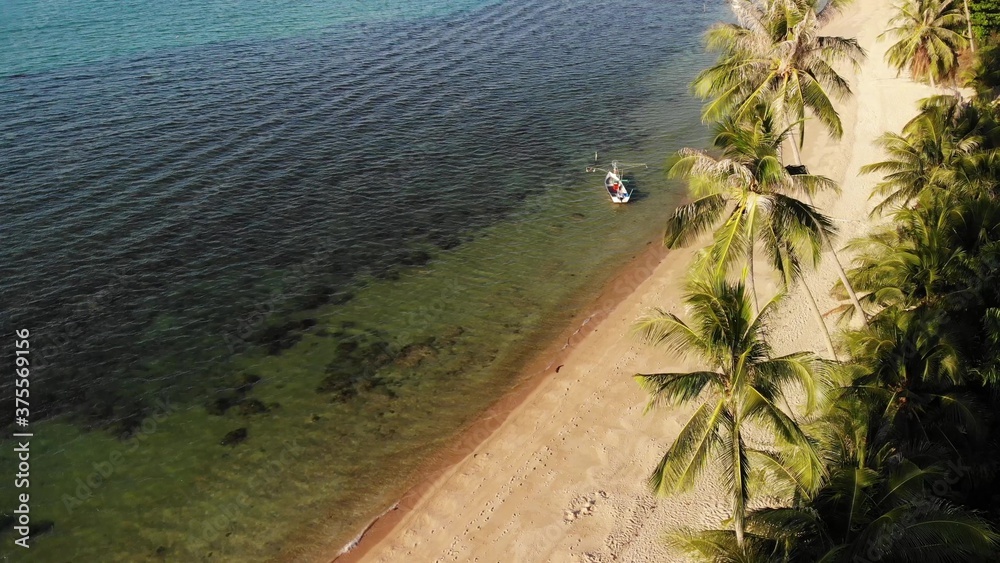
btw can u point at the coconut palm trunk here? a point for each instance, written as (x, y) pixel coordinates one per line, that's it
(818, 314)
(826, 240)
(843, 276)
(968, 24)
(739, 459)
(753, 281)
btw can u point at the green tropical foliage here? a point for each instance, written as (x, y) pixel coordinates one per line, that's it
(928, 39)
(750, 199)
(749, 195)
(876, 508)
(985, 16)
(775, 56)
(983, 74)
(927, 256)
(895, 457)
(743, 384)
(951, 142)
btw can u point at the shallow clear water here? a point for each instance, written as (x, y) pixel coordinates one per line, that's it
(339, 227)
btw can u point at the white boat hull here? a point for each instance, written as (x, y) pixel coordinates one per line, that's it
(616, 188)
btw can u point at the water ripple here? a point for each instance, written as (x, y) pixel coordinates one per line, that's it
(202, 169)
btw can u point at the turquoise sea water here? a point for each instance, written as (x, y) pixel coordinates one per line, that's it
(274, 256)
(36, 36)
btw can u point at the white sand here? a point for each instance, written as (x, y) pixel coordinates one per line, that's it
(563, 479)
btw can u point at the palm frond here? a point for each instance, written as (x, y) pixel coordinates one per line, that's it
(692, 451)
(675, 388)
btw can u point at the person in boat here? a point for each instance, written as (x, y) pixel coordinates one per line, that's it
(620, 190)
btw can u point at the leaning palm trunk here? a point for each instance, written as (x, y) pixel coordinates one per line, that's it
(968, 24)
(753, 282)
(826, 241)
(795, 146)
(843, 277)
(818, 313)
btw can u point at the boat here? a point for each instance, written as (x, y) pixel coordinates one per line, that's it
(616, 186)
(615, 182)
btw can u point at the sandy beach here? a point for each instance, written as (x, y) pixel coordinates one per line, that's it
(562, 478)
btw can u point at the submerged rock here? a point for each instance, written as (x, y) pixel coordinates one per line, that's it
(234, 437)
(348, 347)
(389, 274)
(448, 243)
(41, 527)
(341, 389)
(252, 406)
(278, 338)
(228, 397)
(281, 337)
(416, 258)
(413, 354)
(220, 405)
(342, 298)
(316, 297)
(360, 355)
(247, 383)
(345, 381)
(130, 414)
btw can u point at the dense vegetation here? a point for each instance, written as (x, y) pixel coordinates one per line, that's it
(985, 16)
(893, 456)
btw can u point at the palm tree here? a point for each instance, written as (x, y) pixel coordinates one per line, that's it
(914, 262)
(878, 504)
(927, 43)
(861, 515)
(938, 254)
(984, 73)
(742, 385)
(914, 165)
(750, 196)
(774, 55)
(949, 143)
(931, 280)
(911, 368)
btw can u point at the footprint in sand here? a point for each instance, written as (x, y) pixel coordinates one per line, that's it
(583, 505)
